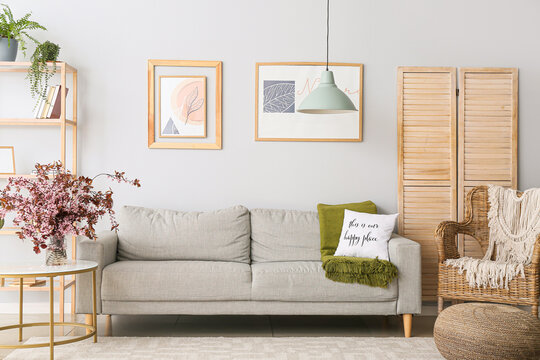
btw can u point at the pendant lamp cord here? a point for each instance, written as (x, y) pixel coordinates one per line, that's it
(327, 29)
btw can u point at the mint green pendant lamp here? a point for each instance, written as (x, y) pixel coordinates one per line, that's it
(327, 98)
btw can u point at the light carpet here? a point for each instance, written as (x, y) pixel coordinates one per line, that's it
(225, 348)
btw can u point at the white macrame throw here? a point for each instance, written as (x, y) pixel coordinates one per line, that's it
(514, 224)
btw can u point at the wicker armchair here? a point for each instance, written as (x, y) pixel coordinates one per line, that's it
(452, 285)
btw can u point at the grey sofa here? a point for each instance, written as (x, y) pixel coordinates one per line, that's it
(233, 261)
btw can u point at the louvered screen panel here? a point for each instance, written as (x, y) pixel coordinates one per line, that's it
(487, 136)
(426, 160)
(424, 209)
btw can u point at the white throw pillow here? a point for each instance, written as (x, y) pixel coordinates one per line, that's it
(365, 235)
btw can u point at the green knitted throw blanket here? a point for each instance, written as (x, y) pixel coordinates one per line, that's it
(372, 272)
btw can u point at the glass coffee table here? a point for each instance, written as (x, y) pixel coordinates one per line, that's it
(32, 271)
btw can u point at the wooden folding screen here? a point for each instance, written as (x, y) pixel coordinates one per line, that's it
(487, 135)
(427, 159)
(434, 175)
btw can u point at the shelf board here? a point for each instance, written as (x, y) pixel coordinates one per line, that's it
(22, 66)
(44, 287)
(30, 176)
(30, 282)
(34, 122)
(5, 176)
(9, 231)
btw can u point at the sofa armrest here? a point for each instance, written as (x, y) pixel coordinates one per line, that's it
(102, 251)
(405, 254)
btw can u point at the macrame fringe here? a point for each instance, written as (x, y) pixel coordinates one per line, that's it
(482, 273)
(514, 224)
(372, 272)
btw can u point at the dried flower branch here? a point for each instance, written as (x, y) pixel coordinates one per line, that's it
(58, 205)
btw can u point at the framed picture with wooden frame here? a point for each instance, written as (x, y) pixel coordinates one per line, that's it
(280, 87)
(182, 113)
(7, 160)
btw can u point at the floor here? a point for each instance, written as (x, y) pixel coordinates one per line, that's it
(201, 326)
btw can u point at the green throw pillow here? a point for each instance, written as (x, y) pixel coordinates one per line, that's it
(331, 222)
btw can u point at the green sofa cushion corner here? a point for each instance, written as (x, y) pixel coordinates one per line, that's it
(331, 222)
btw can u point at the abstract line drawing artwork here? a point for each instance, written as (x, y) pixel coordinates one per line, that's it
(182, 106)
(278, 96)
(280, 88)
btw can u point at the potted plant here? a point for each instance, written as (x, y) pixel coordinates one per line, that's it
(39, 74)
(14, 33)
(47, 208)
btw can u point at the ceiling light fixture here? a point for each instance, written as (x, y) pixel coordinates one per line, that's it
(327, 98)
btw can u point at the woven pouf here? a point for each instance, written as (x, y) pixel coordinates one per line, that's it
(486, 332)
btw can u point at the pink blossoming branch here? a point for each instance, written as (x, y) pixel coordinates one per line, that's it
(48, 207)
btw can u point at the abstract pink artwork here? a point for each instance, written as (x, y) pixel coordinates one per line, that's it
(182, 106)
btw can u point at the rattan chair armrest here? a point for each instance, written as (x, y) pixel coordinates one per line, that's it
(536, 254)
(445, 236)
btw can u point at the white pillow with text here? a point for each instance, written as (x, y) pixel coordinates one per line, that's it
(365, 235)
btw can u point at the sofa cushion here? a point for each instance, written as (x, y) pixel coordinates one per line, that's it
(176, 281)
(305, 281)
(284, 235)
(151, 234)
(331, 220)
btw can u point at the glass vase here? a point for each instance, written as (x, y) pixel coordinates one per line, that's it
(56, 252)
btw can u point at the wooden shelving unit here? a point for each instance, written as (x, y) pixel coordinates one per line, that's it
(63, 123)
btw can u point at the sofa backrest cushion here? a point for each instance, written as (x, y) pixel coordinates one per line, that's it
(152, 234)
(284, 235)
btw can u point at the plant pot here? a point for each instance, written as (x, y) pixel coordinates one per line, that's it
(8, 49)
(56, 252)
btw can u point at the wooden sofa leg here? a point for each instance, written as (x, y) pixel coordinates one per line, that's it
(407, 325)
(108, 325)
(534, 310)
(440, 304)
(88, 320)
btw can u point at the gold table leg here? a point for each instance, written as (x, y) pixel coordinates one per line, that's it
(73, 287)
(51, 317)
(94, 312)
(20, 308)
(61, 298)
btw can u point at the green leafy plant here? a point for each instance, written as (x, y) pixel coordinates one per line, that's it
(39, 73)
(17, 29)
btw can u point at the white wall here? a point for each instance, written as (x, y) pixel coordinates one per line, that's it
(110, 42)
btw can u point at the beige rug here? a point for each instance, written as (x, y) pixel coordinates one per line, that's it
(238, 348)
